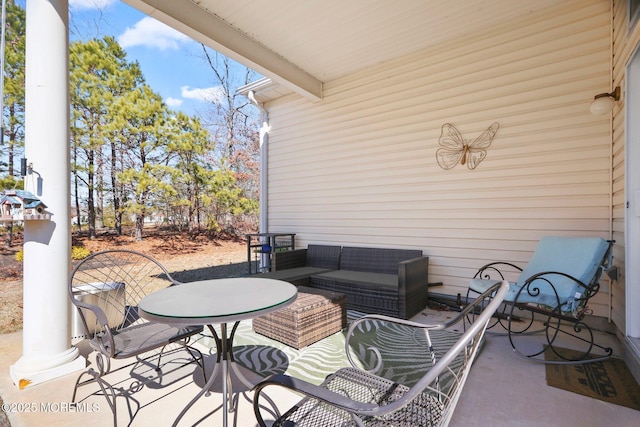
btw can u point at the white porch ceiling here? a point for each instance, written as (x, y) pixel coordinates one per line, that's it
(302, 44)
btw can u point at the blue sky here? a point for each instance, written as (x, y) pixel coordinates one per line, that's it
(172, 63)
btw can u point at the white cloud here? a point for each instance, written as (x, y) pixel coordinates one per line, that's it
(151, 33)
(90, 4)
(210, 94)
(174, 102)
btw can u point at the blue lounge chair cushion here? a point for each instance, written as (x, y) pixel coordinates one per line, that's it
(579, 257)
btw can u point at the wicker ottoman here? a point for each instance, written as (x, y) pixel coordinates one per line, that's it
(314, 315)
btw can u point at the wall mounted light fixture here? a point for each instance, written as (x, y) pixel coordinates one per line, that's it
(603, 102)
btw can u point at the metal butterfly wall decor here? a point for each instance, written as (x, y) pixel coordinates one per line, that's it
(454, 148)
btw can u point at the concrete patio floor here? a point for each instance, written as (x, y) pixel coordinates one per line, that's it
(503, 389)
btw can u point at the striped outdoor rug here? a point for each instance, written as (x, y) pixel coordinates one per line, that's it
(403, 350)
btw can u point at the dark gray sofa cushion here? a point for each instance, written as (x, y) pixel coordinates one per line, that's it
(293, 274)
(375, 260)
(361, 279)
(323, 256)
(298, 265)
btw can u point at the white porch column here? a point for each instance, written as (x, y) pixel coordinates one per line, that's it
(46, 347)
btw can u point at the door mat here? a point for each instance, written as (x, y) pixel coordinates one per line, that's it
(608, 381)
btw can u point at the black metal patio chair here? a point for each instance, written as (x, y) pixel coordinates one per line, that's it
(105, 288)
(550, 298)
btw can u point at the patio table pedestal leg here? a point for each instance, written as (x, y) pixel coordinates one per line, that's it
(224, 349)
(206, 387)
(226, 383)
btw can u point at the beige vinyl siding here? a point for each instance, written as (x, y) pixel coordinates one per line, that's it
(359, 167)
(624, 44)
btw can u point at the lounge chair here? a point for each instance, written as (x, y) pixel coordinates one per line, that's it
(105, 288)
(374, 391)
(554, 289)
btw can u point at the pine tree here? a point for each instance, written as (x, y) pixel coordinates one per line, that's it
(99, 75)
(146, 161)
(13, 111)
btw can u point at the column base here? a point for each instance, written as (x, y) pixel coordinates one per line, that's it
(29, 371)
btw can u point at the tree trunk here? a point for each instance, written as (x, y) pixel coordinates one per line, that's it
(99, 193)
(139, 227)
(115, 187)
(78, 211)
(9, 240)
(91, 211)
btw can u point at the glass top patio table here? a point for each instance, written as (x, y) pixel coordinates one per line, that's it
(217, 301)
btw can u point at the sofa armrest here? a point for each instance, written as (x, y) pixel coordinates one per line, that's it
(289, 259)
(412, 286)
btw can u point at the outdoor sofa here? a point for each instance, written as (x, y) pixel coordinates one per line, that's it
(374, 280)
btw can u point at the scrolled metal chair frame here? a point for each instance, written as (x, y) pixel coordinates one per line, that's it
(139, 275)
(554, 320)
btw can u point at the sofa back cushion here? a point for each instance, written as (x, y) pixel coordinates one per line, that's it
(375, 260)
(323, 256)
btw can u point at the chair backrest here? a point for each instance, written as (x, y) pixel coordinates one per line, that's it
(107, 286)
(579, 257)
(444, 369)
(462, 353)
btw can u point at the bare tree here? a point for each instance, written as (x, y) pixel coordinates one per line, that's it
(234, 126)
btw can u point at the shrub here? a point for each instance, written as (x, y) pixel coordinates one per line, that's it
(77, 253)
